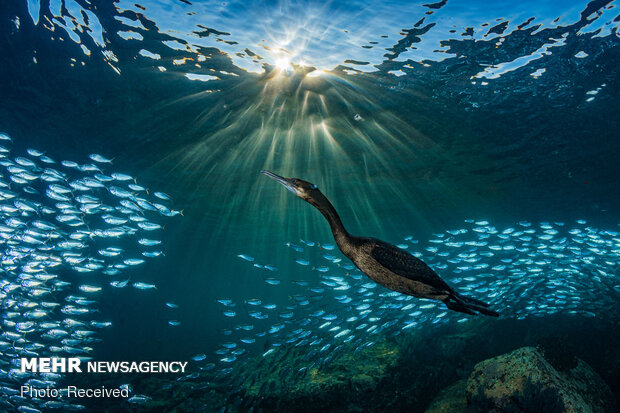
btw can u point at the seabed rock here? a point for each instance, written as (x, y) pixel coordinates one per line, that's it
(523, 381)
(452, 399)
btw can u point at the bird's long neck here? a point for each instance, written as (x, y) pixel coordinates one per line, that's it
(341, 236)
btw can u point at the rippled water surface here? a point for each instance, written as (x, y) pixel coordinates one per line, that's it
(482, 137)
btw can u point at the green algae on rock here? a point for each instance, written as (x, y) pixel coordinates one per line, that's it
(350, 374)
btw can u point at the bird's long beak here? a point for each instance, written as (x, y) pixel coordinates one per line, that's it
(282, 180)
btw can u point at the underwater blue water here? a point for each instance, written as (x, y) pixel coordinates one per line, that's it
(481, 138)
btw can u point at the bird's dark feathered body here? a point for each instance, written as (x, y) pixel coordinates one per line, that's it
(397, 270)
(384, 263)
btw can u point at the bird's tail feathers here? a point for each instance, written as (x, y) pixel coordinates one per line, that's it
(468, 305)
(456, 306)
(469, 300)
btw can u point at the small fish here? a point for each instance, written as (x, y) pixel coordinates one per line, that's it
(133, 261)
(138, 399)
(119, 284)
(121, 177)
(47, 160)
(162, 196)
(144, 286)
(149, 226)
(120, 192)
(136, 188)
(151, 254)
(24, 162)
(90, 288)
(295, 247)
(34, 152)
(69, 164)
(99, 158)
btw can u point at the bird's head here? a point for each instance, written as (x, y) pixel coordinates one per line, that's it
(305, 190)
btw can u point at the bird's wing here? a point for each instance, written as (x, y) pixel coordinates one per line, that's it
(406, 265)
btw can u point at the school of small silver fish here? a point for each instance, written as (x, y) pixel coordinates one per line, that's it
(67, 231)
(60, 217)
(526, 270)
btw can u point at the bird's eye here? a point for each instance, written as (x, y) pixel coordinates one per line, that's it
(314, 186)
(294, 181)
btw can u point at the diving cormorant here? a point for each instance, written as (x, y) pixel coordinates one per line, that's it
(384, 263)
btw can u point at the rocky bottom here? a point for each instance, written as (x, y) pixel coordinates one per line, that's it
(555, 364)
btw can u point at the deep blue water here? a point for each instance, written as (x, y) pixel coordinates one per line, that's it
(483, 138)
